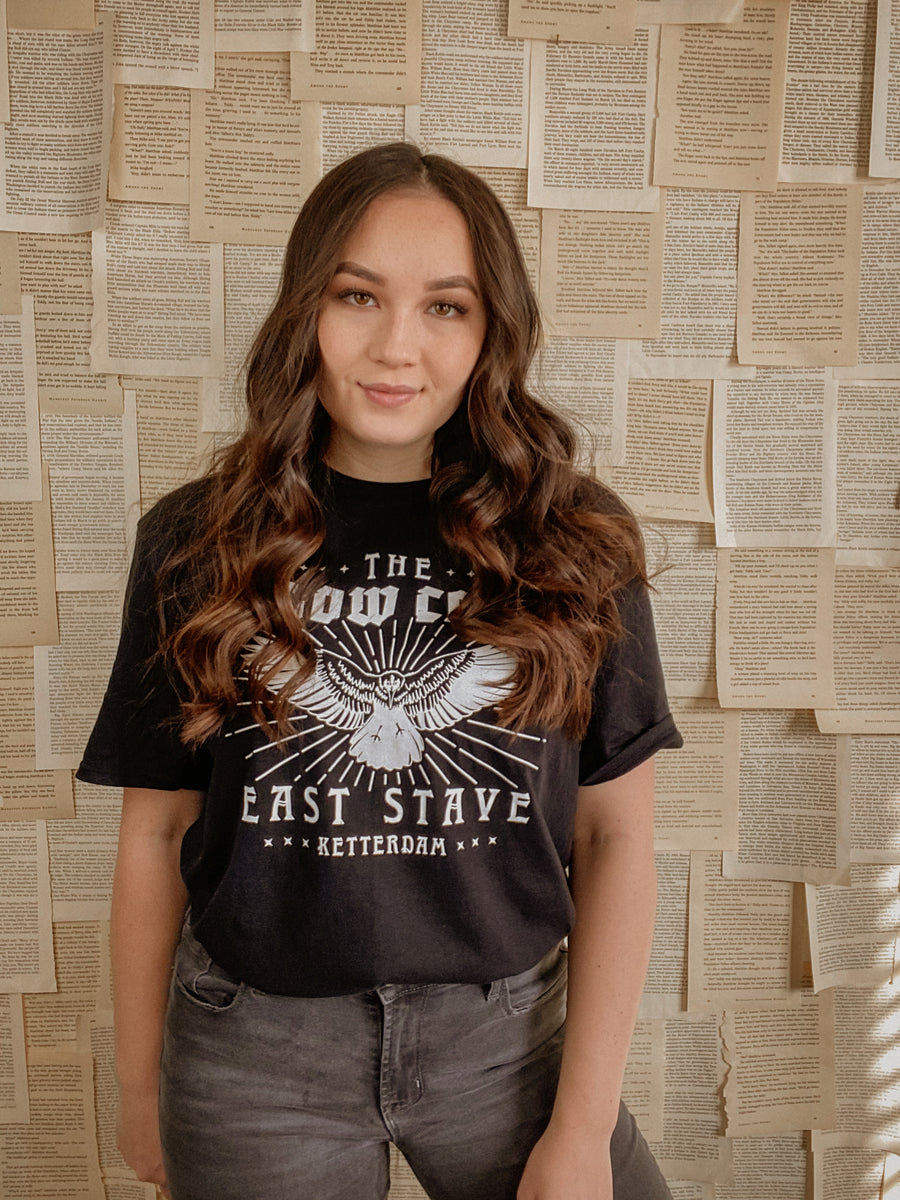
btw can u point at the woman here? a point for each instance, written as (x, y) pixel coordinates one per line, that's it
(385, 676)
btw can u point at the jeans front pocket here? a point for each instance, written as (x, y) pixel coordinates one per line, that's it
(200, 980)
(540, 985)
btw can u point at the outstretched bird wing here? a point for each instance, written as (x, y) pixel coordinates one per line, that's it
(456, 685)
(338, 692)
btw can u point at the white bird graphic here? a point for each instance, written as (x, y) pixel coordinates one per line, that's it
(388, 711)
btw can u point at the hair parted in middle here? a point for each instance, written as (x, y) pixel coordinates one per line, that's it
(549, 549)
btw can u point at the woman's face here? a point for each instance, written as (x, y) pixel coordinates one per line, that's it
(400, 330)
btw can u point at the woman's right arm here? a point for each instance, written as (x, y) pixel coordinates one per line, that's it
(148, 906)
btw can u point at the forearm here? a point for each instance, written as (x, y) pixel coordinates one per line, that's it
(148, 905)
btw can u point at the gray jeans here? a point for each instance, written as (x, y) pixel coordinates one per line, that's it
(290, 1098)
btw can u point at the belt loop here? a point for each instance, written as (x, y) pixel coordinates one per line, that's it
(492, 990)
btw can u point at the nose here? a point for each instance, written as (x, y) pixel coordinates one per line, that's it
(394, 338)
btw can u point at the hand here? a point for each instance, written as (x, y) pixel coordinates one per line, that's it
(568, 1164)
(137, 1135)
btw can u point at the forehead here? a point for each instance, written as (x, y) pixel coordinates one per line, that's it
(412, 230)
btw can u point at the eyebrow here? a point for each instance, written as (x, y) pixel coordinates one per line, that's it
(433, 285)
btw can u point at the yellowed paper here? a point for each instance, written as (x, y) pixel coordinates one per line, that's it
(254, 152)
(601, 273)
(874, 786)
(369, 53)
(696, 792)
(611, 22)
(739, 940)
(721, 101)
(70, 679)
(512, 187)
(665, 988)
(794, 813)
(688, 12)
(828, 102)
(171, 447)
(771, 1168)
(27, 585)
(468, 42)
(698, 309)
(587, 379)
(643, 1087)
(666, 468)
(50, 1019)
(798, 276)
(591, 125)
(149, 158)
(843, 1170)
(879, 314)
(692, 1146)
(58, 1152)
(347, 128)
(158, 297)
(83, 854)
(4, 66)
(51, 14)
(20, 466)
(682, 561)
(55, 148)
(13, 1079)
(884, 151)
(171, 44)
(95, 495)
(866, 636)
(773, 628)
(404, 1185)
(56, 271)
(26, 931)
(866, 1058)
(868, 451)
(853, 930)
(272, 25)
(774, 459)
(10, 285)
(27, 794)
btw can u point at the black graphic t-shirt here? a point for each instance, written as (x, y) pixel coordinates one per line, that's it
(398, 835)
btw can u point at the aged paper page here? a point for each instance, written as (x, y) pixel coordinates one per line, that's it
(773, 628)
(853, 930)
(781, 1073)
(468, 43)
(774, 459)
(828, 97)
(698, 311)
(739, 940)
(252, 276)
(874, 790)
(4, 66)
(691, 1146)
(404, 1185)
(611, 22)
(884, 151)
(511, 185)
(601, 273)
(164, 42)
(666, 468)
(866, 638)
(10, 283)
(57, 1154)
(70, 679)
(767, 1168)
(55, 149)
(879, 314)
(26, 930)
(51, 14)
(644, 1081)
(867, 1036)
(20, 466)
(158, 297)
(795, 816)
(868, 451)
(27, 587)
(696, 795)
(682, 561)
(13, 1080)
(149, 158)
(687, 12)
(665, 988)
(26, 794)
(274, 25)
(95, 495)
(587, 379)
(721, 100)
(347, 128)
(843, 1170)
(368, 54)
(83, 854)
(56, 270)
(254, 152)
(50, 1019)
(798, 276)
(592, 109)
(171, 447)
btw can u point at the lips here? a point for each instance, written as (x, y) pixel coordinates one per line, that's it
(388, 395)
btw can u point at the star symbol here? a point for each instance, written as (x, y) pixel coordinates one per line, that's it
(492, 841)
(289, 841)
(460, 845)
(306, 843)
(344, 569)
(474, 842)
(268, 842)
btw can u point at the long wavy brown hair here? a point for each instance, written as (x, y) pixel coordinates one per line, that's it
(549, 549)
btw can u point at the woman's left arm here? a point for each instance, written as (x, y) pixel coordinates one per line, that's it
(613, 881)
